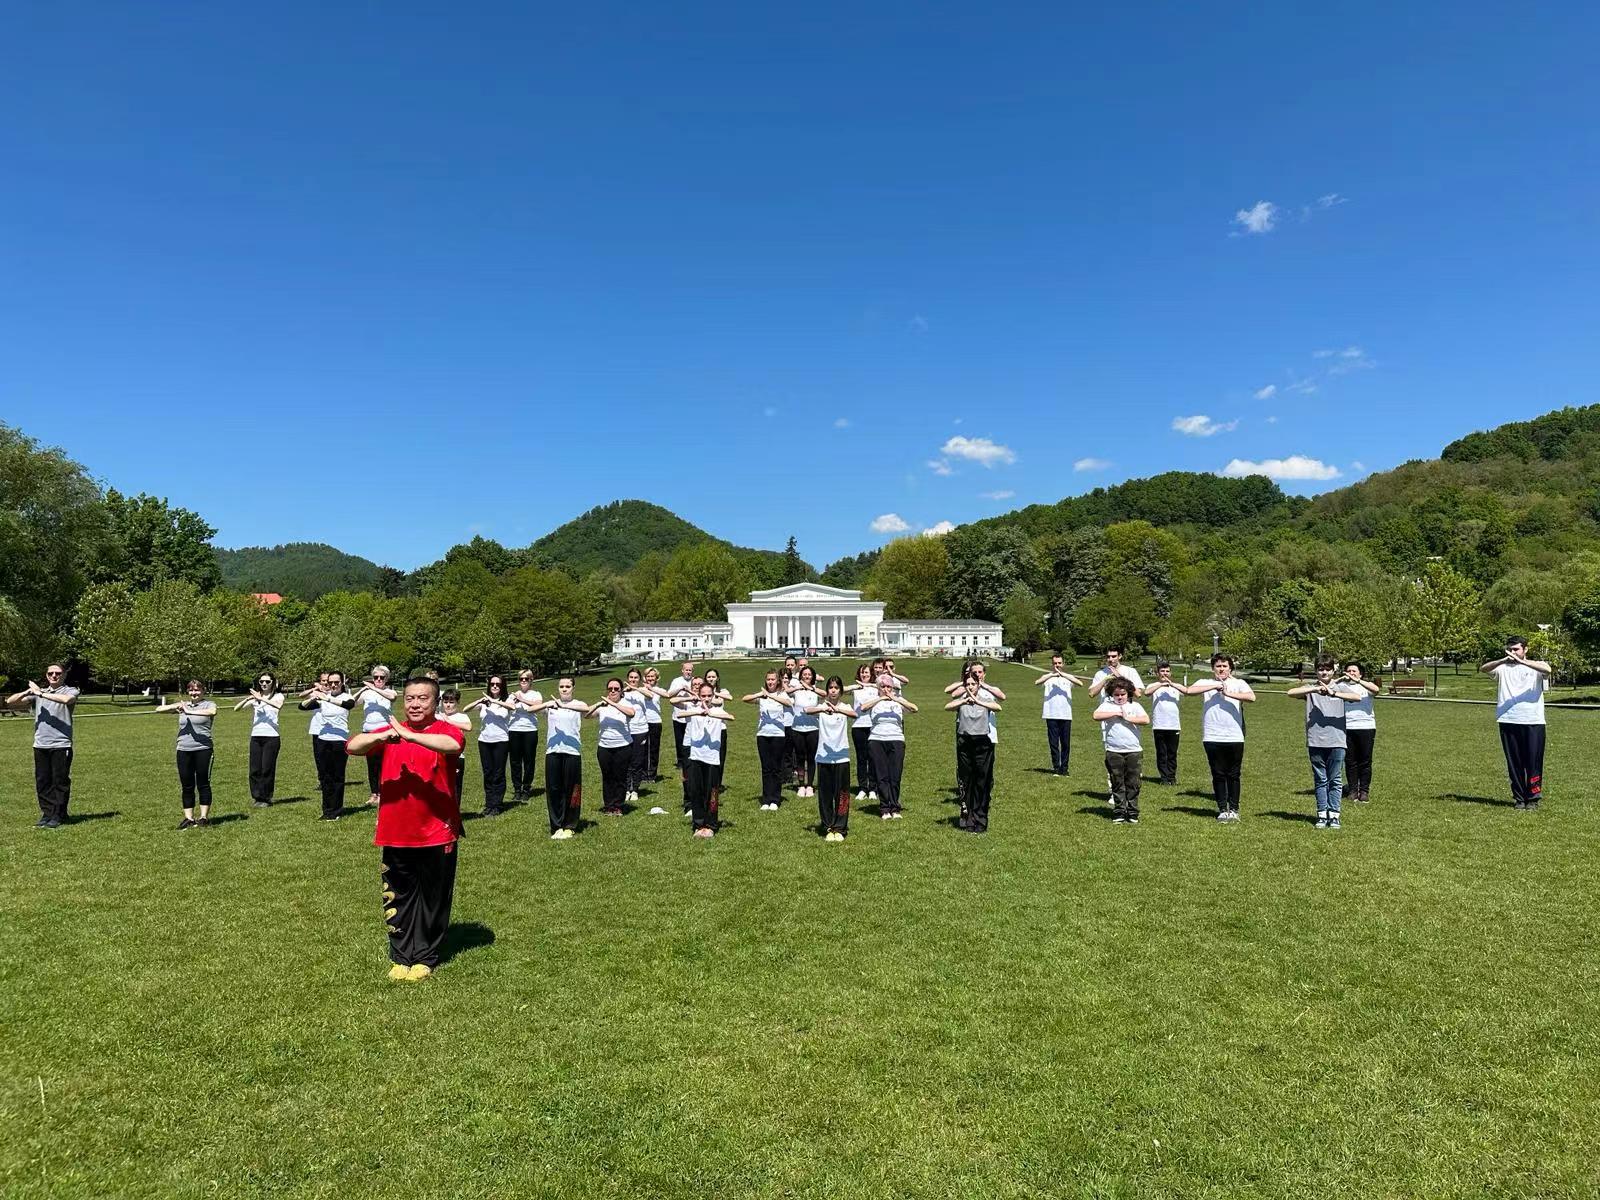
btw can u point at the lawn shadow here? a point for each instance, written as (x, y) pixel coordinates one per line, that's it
(1199, 795)
(1489, 800)
(1045, 771)
(1190, 809)
(291, 800)
(1280, 815)
(226, 817)
(75, 818)
(463, 936)
(1099, 810)
(1092, 795)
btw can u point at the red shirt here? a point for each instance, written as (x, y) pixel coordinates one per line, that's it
(417, 801)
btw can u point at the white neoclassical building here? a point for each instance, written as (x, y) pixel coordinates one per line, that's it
(806, 617)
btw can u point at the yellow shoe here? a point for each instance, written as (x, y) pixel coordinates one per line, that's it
(419, 971)
(399, 972)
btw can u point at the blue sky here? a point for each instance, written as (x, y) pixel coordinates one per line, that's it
(389, 275)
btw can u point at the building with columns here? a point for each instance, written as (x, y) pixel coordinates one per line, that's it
(806, 616)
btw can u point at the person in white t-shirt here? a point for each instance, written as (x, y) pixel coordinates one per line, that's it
(1361, 731)
(771, 738)
(639, 729)
(1057, 684)
(563, 759)
(833, 714)
(887, 743)
(524, 730)
(376, 698)
(450, 712)
(1521, 683)
(862, 690)
(1165, 723)
(1115, 668)
(494, 743)
(266, 706)
(1222, 731)
(654, 693)
(615, 748)
(680, 688)
(330, 726)
(1120, 717)
(705, 736)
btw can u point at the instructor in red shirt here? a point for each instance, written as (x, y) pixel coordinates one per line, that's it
(419, 820)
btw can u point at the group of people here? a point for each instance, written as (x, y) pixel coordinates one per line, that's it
(804, 733)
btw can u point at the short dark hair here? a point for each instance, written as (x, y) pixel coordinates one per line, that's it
(1056, 653)
(1114, 648)
(1161, 662)
(1516, 639)
(1221, 657)
(1324, 663)
(1118, 684)
(833, 679)
(425, 681)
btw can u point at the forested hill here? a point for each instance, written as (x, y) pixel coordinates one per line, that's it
(615, 537)
(303, 569)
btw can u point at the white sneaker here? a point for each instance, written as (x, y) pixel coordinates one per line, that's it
(872, 795)
(886, 816)
(1222, 815)
(1322, 820)
(860, 796)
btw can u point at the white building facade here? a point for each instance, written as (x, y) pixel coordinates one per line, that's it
(805, 616)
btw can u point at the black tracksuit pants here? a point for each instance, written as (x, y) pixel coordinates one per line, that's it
(681, 755)
(264, 767)
(975, 753)
(330, 757)
(419, 884)
(492, 757)
(866, 781)
(1524, 747)
(805, 746)
(888, 761)
(1166, 754)
(833, 796)
(1123, 767)
(52, 781)
(770, 751)
(524, 755)
(1226, 759)
(1358, 761)
(563, 789)
(613, 776)
(638, 760)
(701, 793)
(652, 762)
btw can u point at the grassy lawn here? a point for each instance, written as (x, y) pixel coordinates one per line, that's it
(1408, 1007)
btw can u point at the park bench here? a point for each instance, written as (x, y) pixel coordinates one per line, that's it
(1407, 687)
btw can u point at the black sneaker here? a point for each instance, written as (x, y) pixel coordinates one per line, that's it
(330, 816)
(203, 823)
(52, 823)
(186, 823)
(42, 823)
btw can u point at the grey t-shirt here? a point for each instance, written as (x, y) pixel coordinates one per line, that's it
(1325, 722)
(972, 720)
(194, 725)
(52, 721)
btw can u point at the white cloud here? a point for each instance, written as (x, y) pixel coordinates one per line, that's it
(1304, 387)
(841, 423)
(1351, 358)
(1323, 353)
(939, 530)
(1359, 467)
(1331, 200)
(1091, 464)
(1296, 466)
(1202, 426)
(1268, 392)
(889, 523)
(939, 467)
(1272, 420)
(918, 324)
(1002, 494)
(1262, 218)
(769, 411)
(978, 450)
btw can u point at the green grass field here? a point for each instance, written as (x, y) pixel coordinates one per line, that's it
(1407, 1007)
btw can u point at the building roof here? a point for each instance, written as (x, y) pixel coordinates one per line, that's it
(268, 598)
(674, 626)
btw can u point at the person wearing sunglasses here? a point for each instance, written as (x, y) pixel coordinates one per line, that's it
(615, 751)
(266, 705)
(52, 706)
(524, 730)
